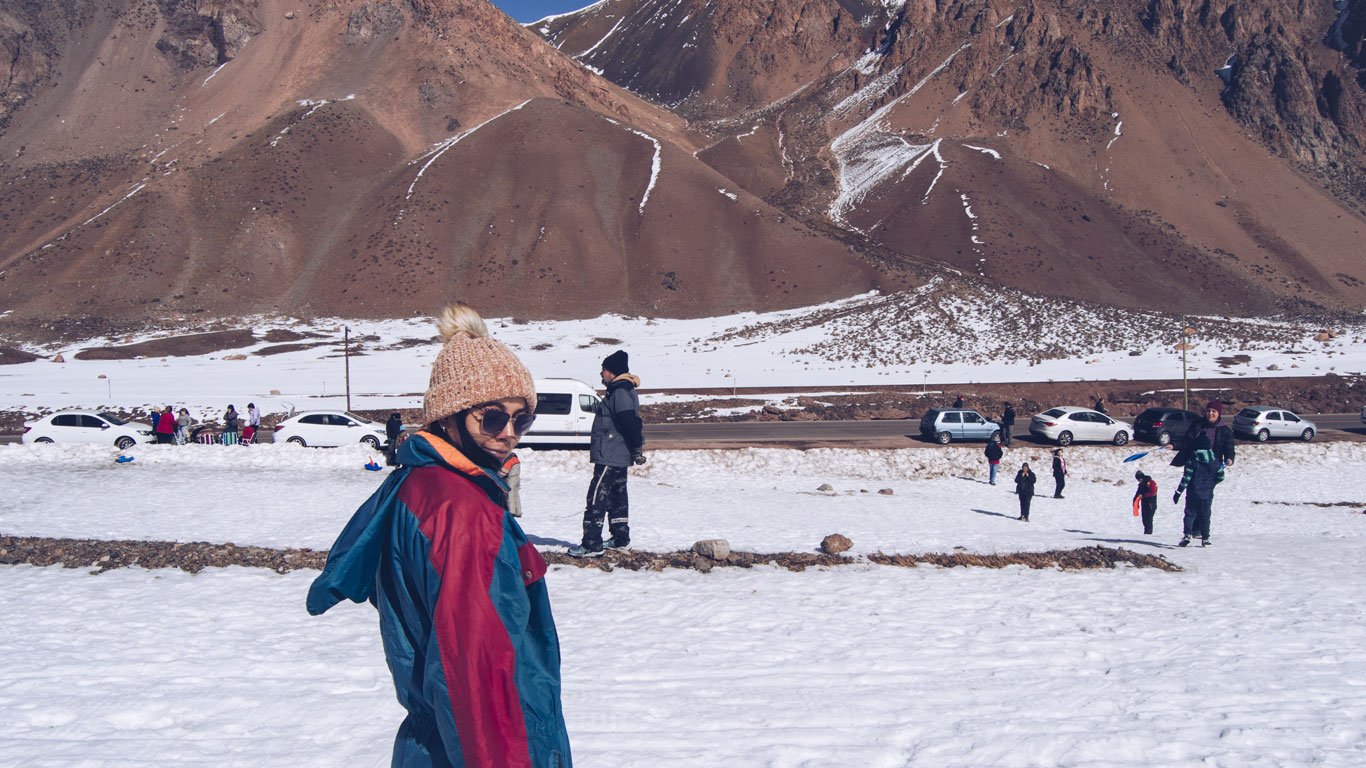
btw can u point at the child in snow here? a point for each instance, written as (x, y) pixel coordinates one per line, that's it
(1147, 492)
(1059, 473)
(1203, 471)
(994, 453)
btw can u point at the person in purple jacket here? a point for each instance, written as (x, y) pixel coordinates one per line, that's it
(463, 606)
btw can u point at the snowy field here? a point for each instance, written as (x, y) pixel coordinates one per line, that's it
(1255, 655)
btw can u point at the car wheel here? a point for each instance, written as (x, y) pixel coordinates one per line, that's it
(371, 442)
(1064, 438)
(1121, 437)
(1307, 435)
(1164, 438)
(1263, 436)
(943, 438)
(124, 443)
(44, 440)
(297, 441)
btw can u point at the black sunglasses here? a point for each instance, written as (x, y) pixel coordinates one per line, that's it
(492, 421)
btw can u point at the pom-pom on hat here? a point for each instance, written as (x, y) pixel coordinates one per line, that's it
(472, 368)
(616, 363)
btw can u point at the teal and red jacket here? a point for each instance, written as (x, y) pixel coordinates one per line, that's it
(464, 613)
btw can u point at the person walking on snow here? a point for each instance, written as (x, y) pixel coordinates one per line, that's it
(1024, 488)
(617, 442)
(464, 613)
(1007, 424)
(1146, 496)
(1203, 472)
(994, 453)
(1059, 473)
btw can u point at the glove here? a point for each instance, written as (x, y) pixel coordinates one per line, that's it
(638, 457)
(1176, 497)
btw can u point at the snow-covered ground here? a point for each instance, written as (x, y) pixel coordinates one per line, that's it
(1255, 655)
(933, 335)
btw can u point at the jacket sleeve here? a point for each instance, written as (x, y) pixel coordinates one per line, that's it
(1186, 477)
(476, 652)
(626, 417)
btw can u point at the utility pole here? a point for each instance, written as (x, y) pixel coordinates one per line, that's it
(1186, 333)
(346, 354)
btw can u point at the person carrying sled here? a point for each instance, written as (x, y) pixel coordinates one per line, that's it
(464, 611)
(1024, 488)
(1203, 471)
(1146, 497)
(617, 442)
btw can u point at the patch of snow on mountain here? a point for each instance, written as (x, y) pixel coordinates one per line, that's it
(874, 89)
(985, 151)
(610, 32)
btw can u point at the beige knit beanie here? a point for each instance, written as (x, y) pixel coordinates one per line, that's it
(471, 367)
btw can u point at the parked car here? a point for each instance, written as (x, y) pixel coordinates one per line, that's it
(564, 413)
(330, 429)
(87, 427)
(1164, 426)
(1264, 422)
(1069, 423)
(945, 425)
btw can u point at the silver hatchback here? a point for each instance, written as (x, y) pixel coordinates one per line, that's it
(1264, 422)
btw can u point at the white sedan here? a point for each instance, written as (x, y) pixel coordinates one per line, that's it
(87, 427)
(1067, 423)
(330, 429)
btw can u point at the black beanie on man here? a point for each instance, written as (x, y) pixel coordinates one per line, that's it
(615, 363)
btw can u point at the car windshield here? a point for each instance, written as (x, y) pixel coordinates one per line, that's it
(1054, 413)
(1248, 413)
(354, 417)
(112, 419)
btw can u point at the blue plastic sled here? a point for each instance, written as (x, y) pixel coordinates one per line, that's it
(1137, 456)
(124, 459)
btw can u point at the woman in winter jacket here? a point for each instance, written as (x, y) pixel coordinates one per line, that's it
(1024, 488)
(464, 611)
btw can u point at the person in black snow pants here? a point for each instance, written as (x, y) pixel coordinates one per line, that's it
(1059, 473)
(617, 442)
(1007, 424)
(1147, 498)
(994, 454)
(1024, 488)
(1203, 472)
(393, 427)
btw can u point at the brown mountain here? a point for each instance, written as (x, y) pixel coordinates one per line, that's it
(173, 158)
(1179, 154)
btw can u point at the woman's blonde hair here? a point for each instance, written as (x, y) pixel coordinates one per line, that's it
(460, 319)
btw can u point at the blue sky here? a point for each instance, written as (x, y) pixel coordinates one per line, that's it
(531, 10)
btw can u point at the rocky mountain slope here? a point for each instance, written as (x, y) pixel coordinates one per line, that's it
(166, 159)
(1177, 154)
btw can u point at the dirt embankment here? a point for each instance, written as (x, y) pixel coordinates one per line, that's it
(196, 556)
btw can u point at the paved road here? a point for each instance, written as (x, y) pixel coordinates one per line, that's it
(874, 433)
(868, 434)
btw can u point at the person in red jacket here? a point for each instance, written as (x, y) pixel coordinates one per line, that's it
(1147, 492)
(165, 428)
(464, 611)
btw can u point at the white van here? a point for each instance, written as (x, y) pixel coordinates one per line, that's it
(564, 413)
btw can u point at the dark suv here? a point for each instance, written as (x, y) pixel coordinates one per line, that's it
(1164, 426)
